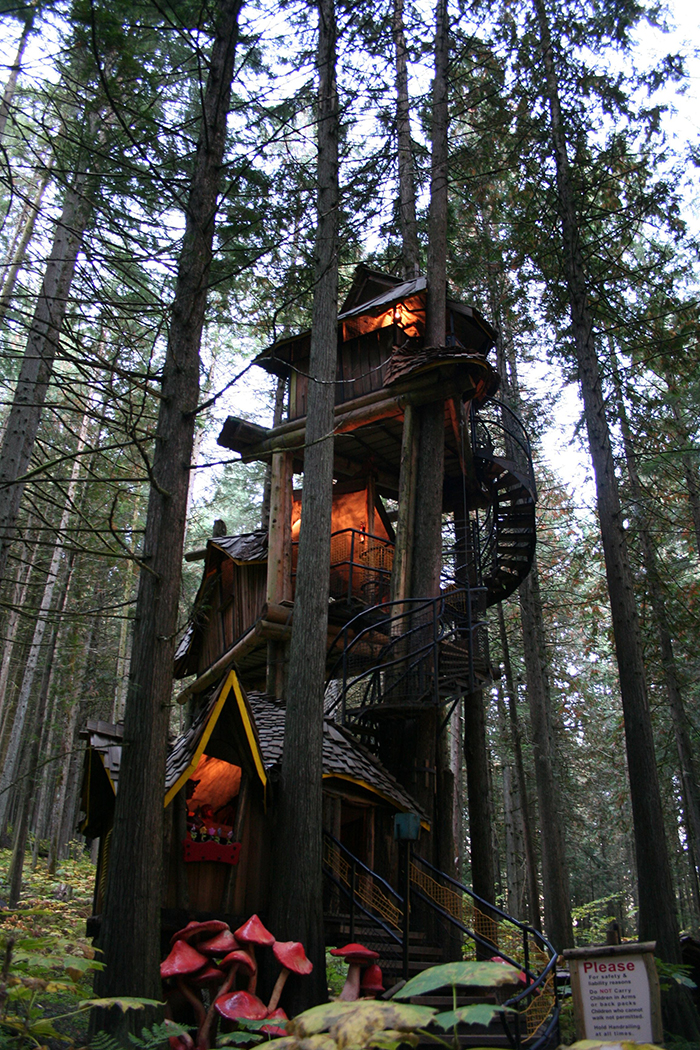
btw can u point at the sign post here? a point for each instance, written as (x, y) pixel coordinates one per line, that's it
(615, 989)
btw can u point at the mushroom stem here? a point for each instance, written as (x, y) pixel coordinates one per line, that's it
(205, 1025)
(253, 979)
(277, 990)
(193, 998)
(351, 988)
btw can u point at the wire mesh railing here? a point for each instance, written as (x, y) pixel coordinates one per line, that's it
(492, 933)
(373, 905)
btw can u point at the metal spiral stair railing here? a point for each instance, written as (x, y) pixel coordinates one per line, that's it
(503, 462)
(400, 655)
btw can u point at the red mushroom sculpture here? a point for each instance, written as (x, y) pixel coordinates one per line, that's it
(292, 957)
(357, 957)
(183, 961)
(237, 1005)
(275, 1029)
(249, 934)
(221, 944)
(237, 960)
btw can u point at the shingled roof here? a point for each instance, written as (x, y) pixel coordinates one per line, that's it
(343, 756)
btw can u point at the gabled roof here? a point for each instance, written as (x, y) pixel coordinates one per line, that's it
(248, 730)
(261, 718)
(373, 293)
(344, 757)
(249, 548)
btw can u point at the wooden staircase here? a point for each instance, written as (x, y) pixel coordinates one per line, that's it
(362, 907)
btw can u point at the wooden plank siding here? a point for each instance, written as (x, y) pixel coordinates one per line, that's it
(235, 604)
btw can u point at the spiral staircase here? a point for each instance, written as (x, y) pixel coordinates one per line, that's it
(398, 655)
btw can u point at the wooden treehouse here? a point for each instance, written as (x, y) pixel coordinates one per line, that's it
(398, 662)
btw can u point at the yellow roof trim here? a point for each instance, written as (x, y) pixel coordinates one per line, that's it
(375, 790)
(251, 736)
(204, 739)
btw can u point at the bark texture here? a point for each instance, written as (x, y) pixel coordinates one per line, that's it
(131, 921)
(39, 356)
(297, 906)
(407, 187)
(671, 676)
(555, 871)
(533, 891)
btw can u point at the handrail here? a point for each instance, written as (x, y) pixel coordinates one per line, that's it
(360, 864)
(350, 891)
(364, 565)
(538, 980)
(413, 636)
(496, 420)
(533, 995)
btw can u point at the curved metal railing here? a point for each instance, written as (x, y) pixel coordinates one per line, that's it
(488, 932)
(405, 653)
(499, 433)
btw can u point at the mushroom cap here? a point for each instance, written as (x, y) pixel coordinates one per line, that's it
(372, 980)
(221, 944)
(244, 959)
(274, 1029)
(241, 1004)
(253, 932)
(199, 929)
(210, 975)
(292, 956)
(355, 953)
(183, 959)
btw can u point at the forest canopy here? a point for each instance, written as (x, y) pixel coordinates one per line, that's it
(129, 167)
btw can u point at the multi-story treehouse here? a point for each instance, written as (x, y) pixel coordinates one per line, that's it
(399, 663)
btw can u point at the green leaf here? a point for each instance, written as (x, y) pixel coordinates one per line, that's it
(238, 1039)
(477, 1013)
(473, 974)
(349, 1021)
(44, 1027)
(125, 1002)
(390, 1039)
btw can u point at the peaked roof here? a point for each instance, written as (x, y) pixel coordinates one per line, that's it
(257, 723)
(262, 720)
(373, 292)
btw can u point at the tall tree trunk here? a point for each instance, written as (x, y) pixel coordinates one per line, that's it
(686, 761)
(30, 758)
(12, 624)
(533, 890)
(36, 649)
(689, 459)
(18, 251)
(657, 915)
(555, 871)
(410, 248)
(297, 907)
(11, 85)
(130, 935)
(38, 360)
